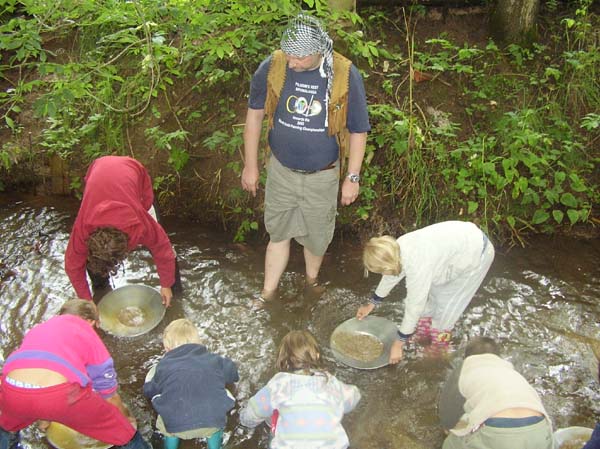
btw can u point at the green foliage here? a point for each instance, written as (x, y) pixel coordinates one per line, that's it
(523, 174)
(223, 142)
(126, 62)
(522, 157)
(525, 165)
(169, 141)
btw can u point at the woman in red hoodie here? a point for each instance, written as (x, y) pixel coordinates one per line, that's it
(113, 219)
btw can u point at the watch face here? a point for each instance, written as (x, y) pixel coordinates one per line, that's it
(353, 177)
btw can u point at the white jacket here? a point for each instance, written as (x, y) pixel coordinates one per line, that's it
(431, 257)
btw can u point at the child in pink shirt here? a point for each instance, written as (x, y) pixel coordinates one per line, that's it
(63, 372)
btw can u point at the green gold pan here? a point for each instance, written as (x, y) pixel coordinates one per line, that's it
(572, 437)
(131, 310)
(63, 437)
(363, 344)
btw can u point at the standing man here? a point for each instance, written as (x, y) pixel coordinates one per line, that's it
(114, 218)
(314, 101)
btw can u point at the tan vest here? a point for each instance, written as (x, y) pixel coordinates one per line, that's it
(338, 103)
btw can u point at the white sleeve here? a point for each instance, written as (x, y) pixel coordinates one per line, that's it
(386, 284)
(417, 292)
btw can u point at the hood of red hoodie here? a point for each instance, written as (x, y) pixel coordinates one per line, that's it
(115, 214)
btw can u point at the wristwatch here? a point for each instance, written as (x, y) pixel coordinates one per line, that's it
(353, 177)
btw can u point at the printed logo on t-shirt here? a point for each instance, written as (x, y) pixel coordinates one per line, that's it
(304, 107)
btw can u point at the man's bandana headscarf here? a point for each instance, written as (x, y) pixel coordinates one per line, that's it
(305, 36)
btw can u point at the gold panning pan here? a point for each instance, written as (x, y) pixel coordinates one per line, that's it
(131, 310)
(363, 344)
(63, 437)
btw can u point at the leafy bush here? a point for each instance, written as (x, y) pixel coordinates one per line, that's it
(521, 159)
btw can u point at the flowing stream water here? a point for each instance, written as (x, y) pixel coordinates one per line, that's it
(541, 303)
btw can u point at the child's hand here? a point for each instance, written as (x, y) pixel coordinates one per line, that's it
(166, 294)
(364, 310)
(43, 424)
(396, 352)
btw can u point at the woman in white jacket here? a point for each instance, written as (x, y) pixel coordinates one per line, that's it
(444, 264)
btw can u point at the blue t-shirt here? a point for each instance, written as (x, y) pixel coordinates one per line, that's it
(594, 442)
(299, 138)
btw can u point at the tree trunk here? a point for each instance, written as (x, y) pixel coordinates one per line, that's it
(444, 3)
(58, 175)
(514, 20)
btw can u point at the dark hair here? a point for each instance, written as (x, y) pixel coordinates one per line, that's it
(81, 308)
(298, 350)
(107, 248)
(482, 345)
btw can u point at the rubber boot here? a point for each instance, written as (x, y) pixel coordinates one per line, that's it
(440, 343)
(170, 442)
(215, 440)
(9, 440)
(423, 333)
(177, 287)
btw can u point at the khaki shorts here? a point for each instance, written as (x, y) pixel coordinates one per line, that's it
(301, 206)
(204, 432)
(536, 436)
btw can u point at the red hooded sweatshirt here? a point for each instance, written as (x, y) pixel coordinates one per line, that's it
(118, 193)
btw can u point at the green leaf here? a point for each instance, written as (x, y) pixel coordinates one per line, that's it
(577, 183)
(558, 215)
(511, 221)
(568, 200)
(540, 216)
(573, 216)
(472, 207)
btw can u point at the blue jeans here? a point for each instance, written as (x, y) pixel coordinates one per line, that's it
(8, 440)
(137, 442)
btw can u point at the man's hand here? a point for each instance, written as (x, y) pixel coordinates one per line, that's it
(364, 310)
(166, 293)
(250, 179)
(349, 192)
(396, 352)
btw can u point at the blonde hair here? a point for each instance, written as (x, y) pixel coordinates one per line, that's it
(382, 255)
(298, 350)
(80, 307)
(180, 332)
